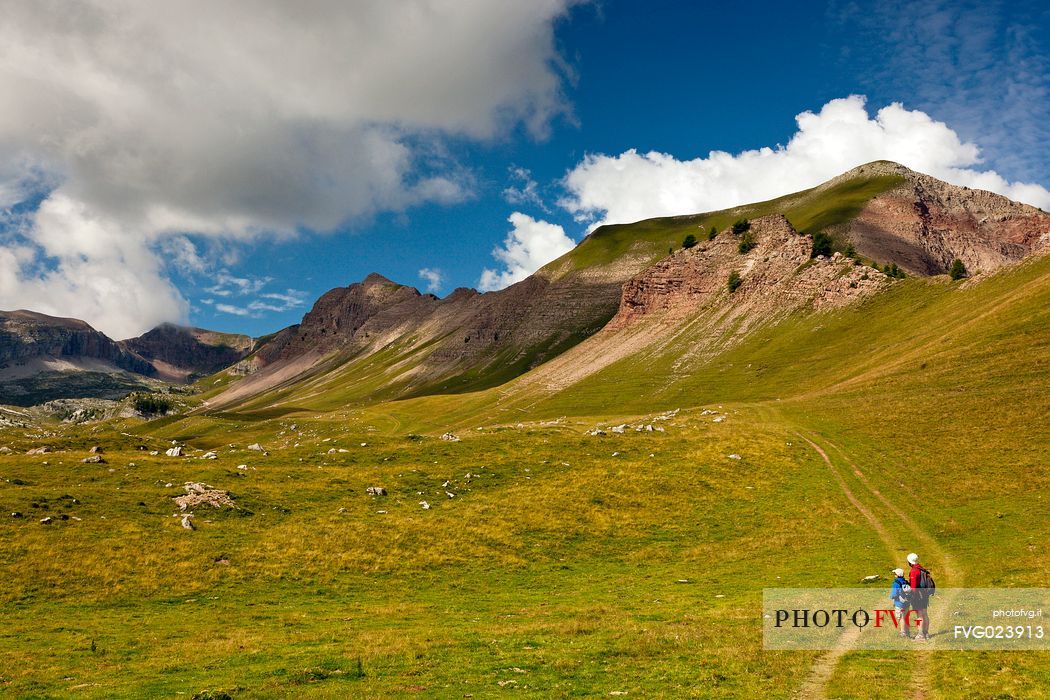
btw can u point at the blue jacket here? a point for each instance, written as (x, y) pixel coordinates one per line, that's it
(895, 593)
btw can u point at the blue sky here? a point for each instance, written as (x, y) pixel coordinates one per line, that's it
(238, 219)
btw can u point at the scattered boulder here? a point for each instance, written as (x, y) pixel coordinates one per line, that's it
(256, 447)
(96, 450)
(596, 432)
(719, 419)
(619, 428)
(735, 456)
(187, 522)
(16, 514)
(45, 521)
(209, 455)
(426, 506)
(201, 494)
(93, 459)
(450, 437)
(870, 579)
(43, 450)
(375, 491)
(173, 451)
(5, 450)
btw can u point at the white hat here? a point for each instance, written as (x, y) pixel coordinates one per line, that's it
(898, 572)
(913, 558)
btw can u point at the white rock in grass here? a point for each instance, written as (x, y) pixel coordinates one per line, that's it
(870, 579)
(256, 446)
(187, 522)
(426, 506)
(173, 452)
(735, 456)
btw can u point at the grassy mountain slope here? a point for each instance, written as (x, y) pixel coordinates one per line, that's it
(563, 563)
(403, 365)
(467, 342)
(812, 211)
(566, 563)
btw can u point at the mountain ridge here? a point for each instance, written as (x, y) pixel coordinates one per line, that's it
(378, 339)
(46, 357)
(468, 341)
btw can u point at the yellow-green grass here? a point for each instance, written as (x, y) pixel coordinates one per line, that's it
(569, 573)
(809, 211)
(930, 400)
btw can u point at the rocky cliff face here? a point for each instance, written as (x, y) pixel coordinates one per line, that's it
(25, 335)
(181, 354)
(777, 277)
(470, 340)
(465, 341)
(348, 317)
(684, 300)
(924, 224)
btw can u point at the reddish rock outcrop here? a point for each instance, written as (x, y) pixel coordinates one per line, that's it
(777, 277)
(924, 224)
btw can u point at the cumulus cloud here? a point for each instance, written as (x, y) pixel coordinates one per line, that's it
(842, 135)
(433, 277)
(233, 120)
(530, 245)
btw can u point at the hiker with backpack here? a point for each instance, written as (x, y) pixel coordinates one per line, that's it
(922, 587)
(900, 594)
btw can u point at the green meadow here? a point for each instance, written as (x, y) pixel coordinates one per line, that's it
(552, 562)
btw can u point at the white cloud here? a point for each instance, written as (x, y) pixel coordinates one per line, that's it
(530, 245)
(270, 302)
(523, 189)
(228, 285)
(240, 119)
(111, 280)
(434, 278)
(841, 136)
